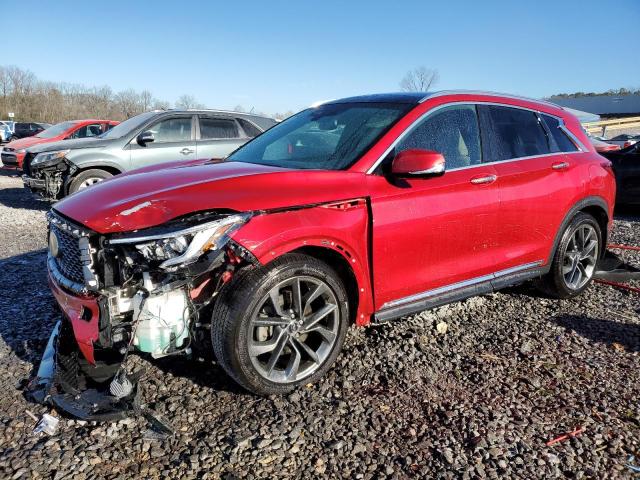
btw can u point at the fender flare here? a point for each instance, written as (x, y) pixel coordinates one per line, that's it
(592, 201)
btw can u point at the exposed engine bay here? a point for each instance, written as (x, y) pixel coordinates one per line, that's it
(49, 178)
(147, 291)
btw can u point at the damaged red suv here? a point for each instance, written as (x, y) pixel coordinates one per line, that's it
(359, 210)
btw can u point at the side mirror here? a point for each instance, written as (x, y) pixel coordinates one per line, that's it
(418, 163)
(145, 137)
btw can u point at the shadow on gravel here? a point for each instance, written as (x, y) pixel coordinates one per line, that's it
(20, 197)
(202, 373)
(27, 308)
(603, 331)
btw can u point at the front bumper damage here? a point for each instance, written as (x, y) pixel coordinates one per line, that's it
(50, 182)
(122, 305)
(61, 383)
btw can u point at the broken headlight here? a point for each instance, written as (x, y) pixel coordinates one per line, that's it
(182, 247)
(46, 159)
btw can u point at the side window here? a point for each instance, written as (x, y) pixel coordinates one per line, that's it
(107, 126)
(562, 140)
(172, 130)
(512, 133)
(452, 131)
(213, 128)
(249, 128)
(87, 131)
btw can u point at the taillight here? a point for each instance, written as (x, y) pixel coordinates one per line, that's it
(627, 144)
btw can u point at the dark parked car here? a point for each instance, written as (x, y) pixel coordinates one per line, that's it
(28, 129)
(626, 165)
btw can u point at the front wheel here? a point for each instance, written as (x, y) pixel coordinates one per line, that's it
(88, 178)
(280, 325)
(576, 257)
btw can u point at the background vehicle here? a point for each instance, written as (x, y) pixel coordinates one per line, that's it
(5, 132)
(626, 165)
(602, 146)
(625, 140)
(14, 152)
(28, 129)
(357, 210)
(58, 169)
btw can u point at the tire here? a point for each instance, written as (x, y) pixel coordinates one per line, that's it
(240, 330)
(570, 260)
(87, 178)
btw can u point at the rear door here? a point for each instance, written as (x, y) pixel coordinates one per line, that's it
(174, 139)
(431, 234)
(218, 136)
(538, 183)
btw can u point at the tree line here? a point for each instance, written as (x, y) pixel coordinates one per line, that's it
(34, 100)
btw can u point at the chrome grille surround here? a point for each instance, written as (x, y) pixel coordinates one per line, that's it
(76, 255)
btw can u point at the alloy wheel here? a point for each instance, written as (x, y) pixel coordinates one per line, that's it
(580, 257)
(294, 329)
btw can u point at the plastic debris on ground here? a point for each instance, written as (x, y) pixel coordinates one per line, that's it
(47, 424)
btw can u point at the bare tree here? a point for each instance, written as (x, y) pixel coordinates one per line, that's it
(188, 101)
(239, 108)
(419, 79)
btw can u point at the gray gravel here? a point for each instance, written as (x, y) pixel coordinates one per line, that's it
(511, 372)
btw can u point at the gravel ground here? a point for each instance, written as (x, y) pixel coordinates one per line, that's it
(481, 399)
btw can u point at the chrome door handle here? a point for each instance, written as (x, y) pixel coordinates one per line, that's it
(484, 179)
(560, 165)
(186, 151)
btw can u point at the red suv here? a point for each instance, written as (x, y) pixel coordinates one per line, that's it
(355, 211)
(13, 153)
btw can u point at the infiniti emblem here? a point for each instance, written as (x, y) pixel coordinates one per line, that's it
(54, 246)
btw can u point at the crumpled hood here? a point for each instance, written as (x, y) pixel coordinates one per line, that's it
(148, 198)
(90, 142)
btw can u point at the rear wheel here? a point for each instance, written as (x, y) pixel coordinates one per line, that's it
(87, 179)
(575, 260)
(281, 325)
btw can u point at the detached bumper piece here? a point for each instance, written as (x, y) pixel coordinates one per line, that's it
(614, 271)
(68, 382)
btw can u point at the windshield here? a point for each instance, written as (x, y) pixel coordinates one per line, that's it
(128, 125)
(328, 137)
(57, 129)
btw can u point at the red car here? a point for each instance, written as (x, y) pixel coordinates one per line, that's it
(359, 210)
(13, 153)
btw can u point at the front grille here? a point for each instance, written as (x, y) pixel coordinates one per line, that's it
(8, 158)
(68, 260)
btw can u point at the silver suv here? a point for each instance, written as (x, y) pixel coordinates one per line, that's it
(57, 169)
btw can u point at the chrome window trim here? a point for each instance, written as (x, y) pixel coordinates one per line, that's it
(425, 115)
(459, 285)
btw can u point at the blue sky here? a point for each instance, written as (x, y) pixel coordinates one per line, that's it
(275, 55)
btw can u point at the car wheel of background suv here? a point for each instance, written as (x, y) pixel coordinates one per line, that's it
(87, 178)
(277, 326)
(575, 259)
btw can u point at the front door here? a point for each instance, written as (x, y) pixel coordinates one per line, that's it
(434, 233)
(174, 140)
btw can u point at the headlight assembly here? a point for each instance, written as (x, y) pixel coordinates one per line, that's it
(46, 159)
(182, 247)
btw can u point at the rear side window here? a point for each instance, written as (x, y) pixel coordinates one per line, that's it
(512, 133)
(562, 140)
(211, 128)
(249, 128)
(452, 131)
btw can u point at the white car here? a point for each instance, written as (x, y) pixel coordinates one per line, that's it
(5, 132)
